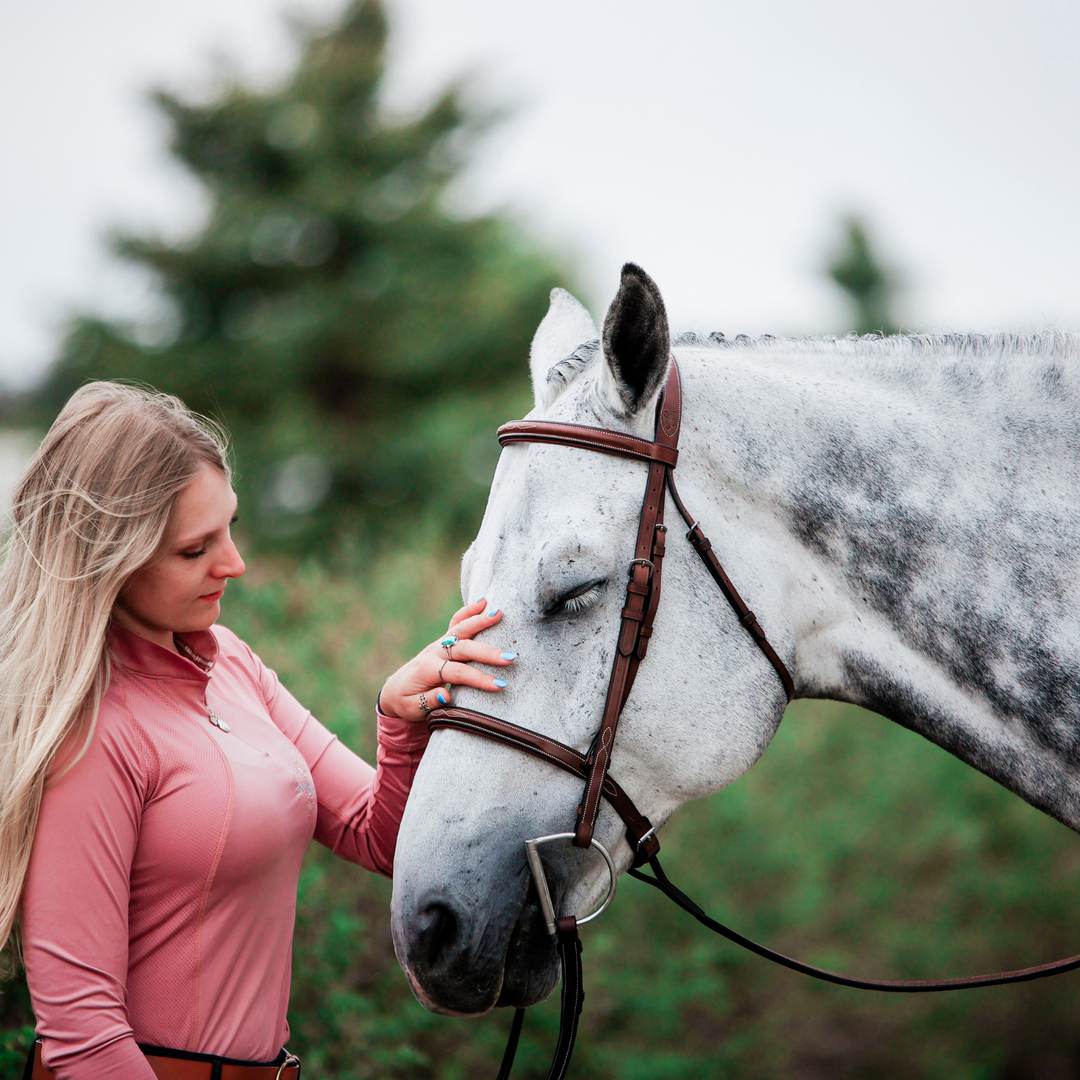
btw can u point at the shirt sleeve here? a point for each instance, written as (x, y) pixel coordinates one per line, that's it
(74, 908)
(359, 807)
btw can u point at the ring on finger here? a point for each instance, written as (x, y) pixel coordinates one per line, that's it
(424, 706)
(441, 666)
(448, 644)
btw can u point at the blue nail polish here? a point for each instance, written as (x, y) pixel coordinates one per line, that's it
(479, 598)
(493, 612)
(440, 697)
(500, 683)
(509, 655)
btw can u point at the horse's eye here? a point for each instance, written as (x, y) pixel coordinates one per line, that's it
(577, 600)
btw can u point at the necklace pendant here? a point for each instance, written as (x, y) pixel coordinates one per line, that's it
(217, 721)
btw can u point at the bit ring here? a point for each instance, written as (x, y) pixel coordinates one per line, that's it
(547, 906)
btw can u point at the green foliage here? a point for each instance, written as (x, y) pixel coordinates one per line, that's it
(853, 844)
(871, 288)
(14, 1046)
(16, 1029)
(360, 341)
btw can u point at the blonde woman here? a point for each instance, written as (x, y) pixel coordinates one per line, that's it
(158, 785)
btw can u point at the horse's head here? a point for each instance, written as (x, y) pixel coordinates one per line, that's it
(553, 551)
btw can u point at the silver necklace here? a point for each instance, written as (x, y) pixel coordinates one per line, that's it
(217, 721)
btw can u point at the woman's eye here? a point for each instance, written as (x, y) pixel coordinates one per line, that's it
(577, 600)
(193, 554)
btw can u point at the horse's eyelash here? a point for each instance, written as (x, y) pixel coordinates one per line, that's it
(578, 601)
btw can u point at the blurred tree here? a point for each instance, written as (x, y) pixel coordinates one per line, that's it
(857, 269)
(359, 339)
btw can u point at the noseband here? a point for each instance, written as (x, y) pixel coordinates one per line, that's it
(635, 630)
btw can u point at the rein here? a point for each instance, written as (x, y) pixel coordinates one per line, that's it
(635, 630)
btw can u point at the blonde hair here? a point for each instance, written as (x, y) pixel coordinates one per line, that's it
(92, 507)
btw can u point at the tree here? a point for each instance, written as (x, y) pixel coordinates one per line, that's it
(360, 341)
(872, 288)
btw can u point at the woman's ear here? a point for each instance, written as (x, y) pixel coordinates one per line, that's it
(637, 345)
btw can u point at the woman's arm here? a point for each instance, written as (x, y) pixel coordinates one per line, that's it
(74, 913)
(360, 808)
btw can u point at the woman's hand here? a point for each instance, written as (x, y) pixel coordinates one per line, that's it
(419, 686)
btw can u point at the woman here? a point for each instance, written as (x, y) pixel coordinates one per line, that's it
(158, 786)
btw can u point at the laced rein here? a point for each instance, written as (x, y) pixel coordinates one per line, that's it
(644, 576)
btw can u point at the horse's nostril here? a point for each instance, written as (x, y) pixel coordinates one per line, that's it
(439, 929)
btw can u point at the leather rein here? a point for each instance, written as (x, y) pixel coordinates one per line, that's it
(644, 575)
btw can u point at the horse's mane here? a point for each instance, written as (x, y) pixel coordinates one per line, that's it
(896, 352)
(1047, 343)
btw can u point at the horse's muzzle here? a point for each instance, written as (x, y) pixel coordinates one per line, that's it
(464, 961)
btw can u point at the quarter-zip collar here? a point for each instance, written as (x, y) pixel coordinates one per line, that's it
(132, 651)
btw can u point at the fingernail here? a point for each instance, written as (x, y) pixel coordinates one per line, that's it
(509, 655)
(500, 683)
(493, 612)
(441, 698)
(479, 598)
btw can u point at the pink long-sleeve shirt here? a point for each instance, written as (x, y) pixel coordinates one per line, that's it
(161, 894)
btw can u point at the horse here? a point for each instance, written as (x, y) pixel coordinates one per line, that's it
(902, 513)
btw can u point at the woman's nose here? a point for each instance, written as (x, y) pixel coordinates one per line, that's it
(231, 565)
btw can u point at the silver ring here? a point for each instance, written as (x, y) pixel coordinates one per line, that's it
(441, 666)
(424, 707)
(546, 905)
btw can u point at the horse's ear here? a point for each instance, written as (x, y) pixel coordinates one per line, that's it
(636, 340)
(565, 326)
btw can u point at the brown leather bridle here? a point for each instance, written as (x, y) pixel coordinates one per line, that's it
(644, 577)
(635, 631)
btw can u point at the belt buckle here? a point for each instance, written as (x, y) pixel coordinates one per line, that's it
(290, 1059)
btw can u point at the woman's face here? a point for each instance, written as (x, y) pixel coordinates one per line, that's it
(181, 590)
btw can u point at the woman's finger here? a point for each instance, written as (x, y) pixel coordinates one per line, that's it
(477, 607)
(466, 650)
(417, 706)
(473, 624)
(466, 675)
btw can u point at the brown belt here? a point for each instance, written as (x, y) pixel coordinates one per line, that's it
(192, 1068)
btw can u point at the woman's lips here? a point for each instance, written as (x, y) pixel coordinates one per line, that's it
(211, 597)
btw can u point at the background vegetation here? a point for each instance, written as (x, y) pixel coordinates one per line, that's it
(335, 314)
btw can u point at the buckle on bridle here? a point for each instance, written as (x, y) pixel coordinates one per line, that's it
(537, 868)
(641, 562)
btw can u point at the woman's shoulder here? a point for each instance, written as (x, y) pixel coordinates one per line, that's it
(114, 742)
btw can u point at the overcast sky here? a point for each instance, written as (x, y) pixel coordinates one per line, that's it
(715, 143)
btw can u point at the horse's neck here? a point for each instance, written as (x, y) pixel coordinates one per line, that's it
(919, 520)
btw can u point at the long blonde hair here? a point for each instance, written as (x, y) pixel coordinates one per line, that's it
(92, 507)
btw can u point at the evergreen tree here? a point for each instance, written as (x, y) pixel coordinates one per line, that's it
(857, 269)
(359, 340)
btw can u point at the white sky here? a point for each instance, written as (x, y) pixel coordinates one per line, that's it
(714, 143)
